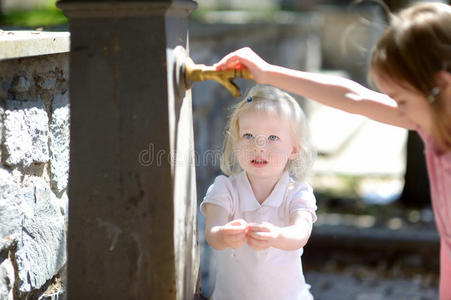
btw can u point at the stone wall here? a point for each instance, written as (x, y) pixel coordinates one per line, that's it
(34, 160)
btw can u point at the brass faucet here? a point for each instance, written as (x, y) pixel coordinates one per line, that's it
(198, 72)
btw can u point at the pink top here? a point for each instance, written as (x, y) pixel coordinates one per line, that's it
(439, 169)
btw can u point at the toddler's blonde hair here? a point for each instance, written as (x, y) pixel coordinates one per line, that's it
(270, 100)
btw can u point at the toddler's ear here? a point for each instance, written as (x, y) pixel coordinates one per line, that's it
(295, 151)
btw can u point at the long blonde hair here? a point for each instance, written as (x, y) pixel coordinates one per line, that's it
(272, 100)
(413, 49)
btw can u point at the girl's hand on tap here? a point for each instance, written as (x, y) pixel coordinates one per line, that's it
(245, 58)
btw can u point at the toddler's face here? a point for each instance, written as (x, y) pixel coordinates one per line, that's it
(265, 144)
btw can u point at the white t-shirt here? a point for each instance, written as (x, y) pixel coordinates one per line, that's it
(271, 274)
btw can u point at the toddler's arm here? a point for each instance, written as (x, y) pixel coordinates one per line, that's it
(292, 237)
(221, 234)
(334, 91)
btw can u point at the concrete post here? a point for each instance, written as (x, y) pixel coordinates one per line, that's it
(132, 213)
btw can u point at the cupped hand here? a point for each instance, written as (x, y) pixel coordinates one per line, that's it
(234, 233)
(244, 58)
(261, 236)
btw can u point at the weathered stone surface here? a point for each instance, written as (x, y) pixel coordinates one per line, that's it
(26, 133)
(10, 208)
(32, 209)
(6, 280)
(22, 87)
(63, 204)
(42, 247)
(55, 296)
(48, 82)
(59, 142)
(14, 44)
(2, 94)
(1, 124)
(20, 84)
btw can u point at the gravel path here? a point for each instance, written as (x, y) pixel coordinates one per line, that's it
(326, 286)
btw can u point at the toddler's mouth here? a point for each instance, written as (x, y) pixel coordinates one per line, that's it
(259, 162)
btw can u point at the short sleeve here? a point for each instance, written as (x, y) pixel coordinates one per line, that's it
(219, 193)
(302, 198)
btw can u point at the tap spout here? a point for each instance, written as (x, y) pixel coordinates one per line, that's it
(198, 72)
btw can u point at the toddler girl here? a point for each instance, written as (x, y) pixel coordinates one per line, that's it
(261, 215)
(411, 66)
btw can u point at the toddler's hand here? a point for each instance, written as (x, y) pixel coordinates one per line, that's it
(244, 58)
(261, 236)
(234, 233)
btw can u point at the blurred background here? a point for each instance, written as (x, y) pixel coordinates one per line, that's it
(375, 236)
(31, 14)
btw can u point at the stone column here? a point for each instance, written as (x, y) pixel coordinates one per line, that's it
(132, 211)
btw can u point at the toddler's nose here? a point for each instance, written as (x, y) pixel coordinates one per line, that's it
(260, 141)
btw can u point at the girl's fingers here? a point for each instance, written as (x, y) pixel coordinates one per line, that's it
(236, 237)
(229, 64)
(235, 226)
(261, 236)
(235, 241)
(233, 60)
(227, 60)
(240, 66)
(234, 230)
(258, 227)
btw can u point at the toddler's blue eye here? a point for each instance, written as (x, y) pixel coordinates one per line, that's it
(248, 136)
(273, 137)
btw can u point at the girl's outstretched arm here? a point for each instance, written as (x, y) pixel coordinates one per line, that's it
(221, 234)
(333, 91)
(292, 237)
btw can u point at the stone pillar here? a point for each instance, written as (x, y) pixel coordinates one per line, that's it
(132, 212)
